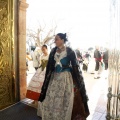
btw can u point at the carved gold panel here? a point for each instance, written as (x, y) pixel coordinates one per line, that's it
(7, 83)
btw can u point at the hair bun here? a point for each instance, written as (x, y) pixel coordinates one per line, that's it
(65, 35)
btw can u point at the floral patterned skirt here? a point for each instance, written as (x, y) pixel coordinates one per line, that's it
(58, 104)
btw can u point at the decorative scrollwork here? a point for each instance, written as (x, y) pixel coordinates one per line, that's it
(6, 53)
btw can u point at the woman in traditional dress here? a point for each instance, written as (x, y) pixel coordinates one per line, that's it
(44, 60)
(63, 93)
(35, 85)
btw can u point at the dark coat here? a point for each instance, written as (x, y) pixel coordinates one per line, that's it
(79, 56)
(105, 56)
(97, 55)
(76, 74)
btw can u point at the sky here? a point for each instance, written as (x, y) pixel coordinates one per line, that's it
(86, 21)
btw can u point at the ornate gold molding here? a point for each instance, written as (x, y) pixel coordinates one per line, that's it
(2, 4)
(7, 82)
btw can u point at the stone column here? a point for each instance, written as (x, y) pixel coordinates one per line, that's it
(22, 47)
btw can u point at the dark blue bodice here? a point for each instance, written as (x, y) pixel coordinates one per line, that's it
(65, 62)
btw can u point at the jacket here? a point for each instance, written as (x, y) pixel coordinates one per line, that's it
(105, 56)
(97, 55)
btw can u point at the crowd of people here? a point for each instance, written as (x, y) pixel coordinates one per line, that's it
(94, 61)
(58, 84)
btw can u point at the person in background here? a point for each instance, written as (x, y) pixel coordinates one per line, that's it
(28, 58)
(79, 57)
(105, 60)
(85, 62)
(85, 65)
(91, 65)
(87, 56)
(98, 59)
(35, 84)
(35, 57)
(43, 64)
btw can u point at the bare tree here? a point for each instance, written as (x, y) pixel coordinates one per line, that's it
(37, 35)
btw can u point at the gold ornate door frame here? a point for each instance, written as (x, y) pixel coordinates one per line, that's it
(8, 86)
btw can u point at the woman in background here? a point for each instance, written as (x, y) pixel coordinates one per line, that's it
(44, 61)
(63, 94)
(105, 60)
(34, 87)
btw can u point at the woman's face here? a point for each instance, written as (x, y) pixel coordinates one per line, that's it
(44, 50)
(58, 41)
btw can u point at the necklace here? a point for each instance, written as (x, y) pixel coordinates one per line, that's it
(60, 49)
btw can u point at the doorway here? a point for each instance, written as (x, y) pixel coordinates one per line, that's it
(87, 24)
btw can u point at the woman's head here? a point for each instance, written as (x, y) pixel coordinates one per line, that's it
(97, 47)
(60, 39)
(44, 49)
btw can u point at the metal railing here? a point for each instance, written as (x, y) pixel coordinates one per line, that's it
(110, 95)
